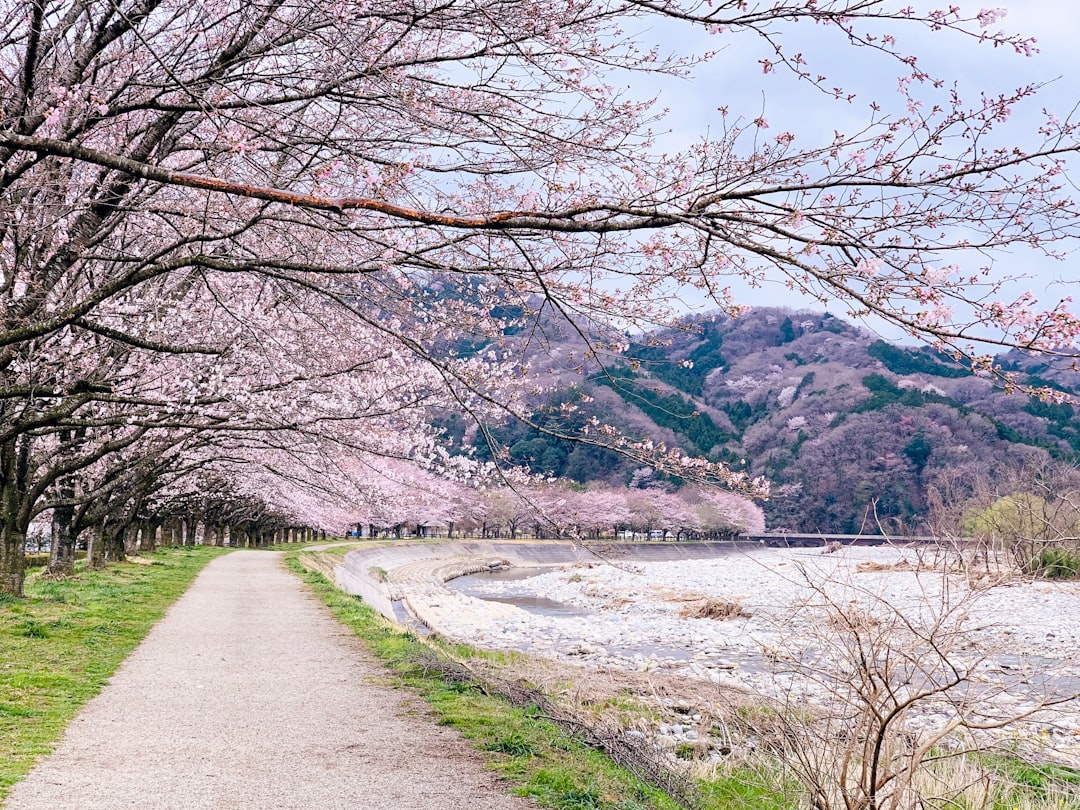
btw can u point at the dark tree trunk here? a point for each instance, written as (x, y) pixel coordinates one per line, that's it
(112, 543)
(95, 554)
(130, 535)
(148, 540)
(62, 552)
(14, 469)
(12, 560)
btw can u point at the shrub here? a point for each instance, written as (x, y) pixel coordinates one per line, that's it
(1058, 563)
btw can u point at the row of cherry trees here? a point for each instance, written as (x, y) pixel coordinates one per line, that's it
(557, 510)
(247, 248)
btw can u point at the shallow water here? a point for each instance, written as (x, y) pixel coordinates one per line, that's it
(473, 585)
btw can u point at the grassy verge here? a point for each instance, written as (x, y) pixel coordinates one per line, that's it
(60, 643)
(306, 544)
(543, 763)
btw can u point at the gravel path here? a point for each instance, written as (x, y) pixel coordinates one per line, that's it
(249, 695)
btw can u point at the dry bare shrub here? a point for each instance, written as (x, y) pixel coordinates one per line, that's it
(712, 608)
(877, 694)
(849, 618)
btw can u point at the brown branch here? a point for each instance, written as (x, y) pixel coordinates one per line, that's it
(160, 174)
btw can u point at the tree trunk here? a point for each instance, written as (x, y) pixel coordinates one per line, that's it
(62, 553)
(130, 536)
(112, 542)
(14, 467)
(148, 539)
(95, 550)
(12, 560)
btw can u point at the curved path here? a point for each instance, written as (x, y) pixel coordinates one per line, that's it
(249, 695)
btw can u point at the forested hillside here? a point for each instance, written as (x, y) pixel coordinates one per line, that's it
(851, 429)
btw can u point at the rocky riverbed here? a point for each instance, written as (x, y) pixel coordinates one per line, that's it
(788, 624)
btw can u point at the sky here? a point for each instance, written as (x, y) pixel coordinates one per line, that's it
(734, 79)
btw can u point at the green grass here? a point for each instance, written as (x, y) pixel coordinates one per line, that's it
(60, 643)
(538, 759)
(1025, 785)
(764, 787)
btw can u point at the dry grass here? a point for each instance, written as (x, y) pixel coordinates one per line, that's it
(320, 561)
(667, 594)
(719, 609)
(875, 567)
(603, 731)
(697, 605)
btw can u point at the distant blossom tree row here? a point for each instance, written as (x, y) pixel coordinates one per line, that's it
(554, 510)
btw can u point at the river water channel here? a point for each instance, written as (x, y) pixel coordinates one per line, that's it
(478, 587)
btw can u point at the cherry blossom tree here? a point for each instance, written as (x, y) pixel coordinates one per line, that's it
(721, 511)
(194, 196)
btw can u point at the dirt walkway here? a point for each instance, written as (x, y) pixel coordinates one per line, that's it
(248, 695)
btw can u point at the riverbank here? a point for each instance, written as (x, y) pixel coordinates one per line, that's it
(758, 619)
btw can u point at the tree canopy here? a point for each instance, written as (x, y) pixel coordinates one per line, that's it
(252, 239)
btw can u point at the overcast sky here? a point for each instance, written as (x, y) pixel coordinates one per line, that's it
(734, 78)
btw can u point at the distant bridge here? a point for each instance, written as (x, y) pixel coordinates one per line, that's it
(810, 540)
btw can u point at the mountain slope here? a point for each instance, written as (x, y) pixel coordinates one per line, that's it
(852, 430)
